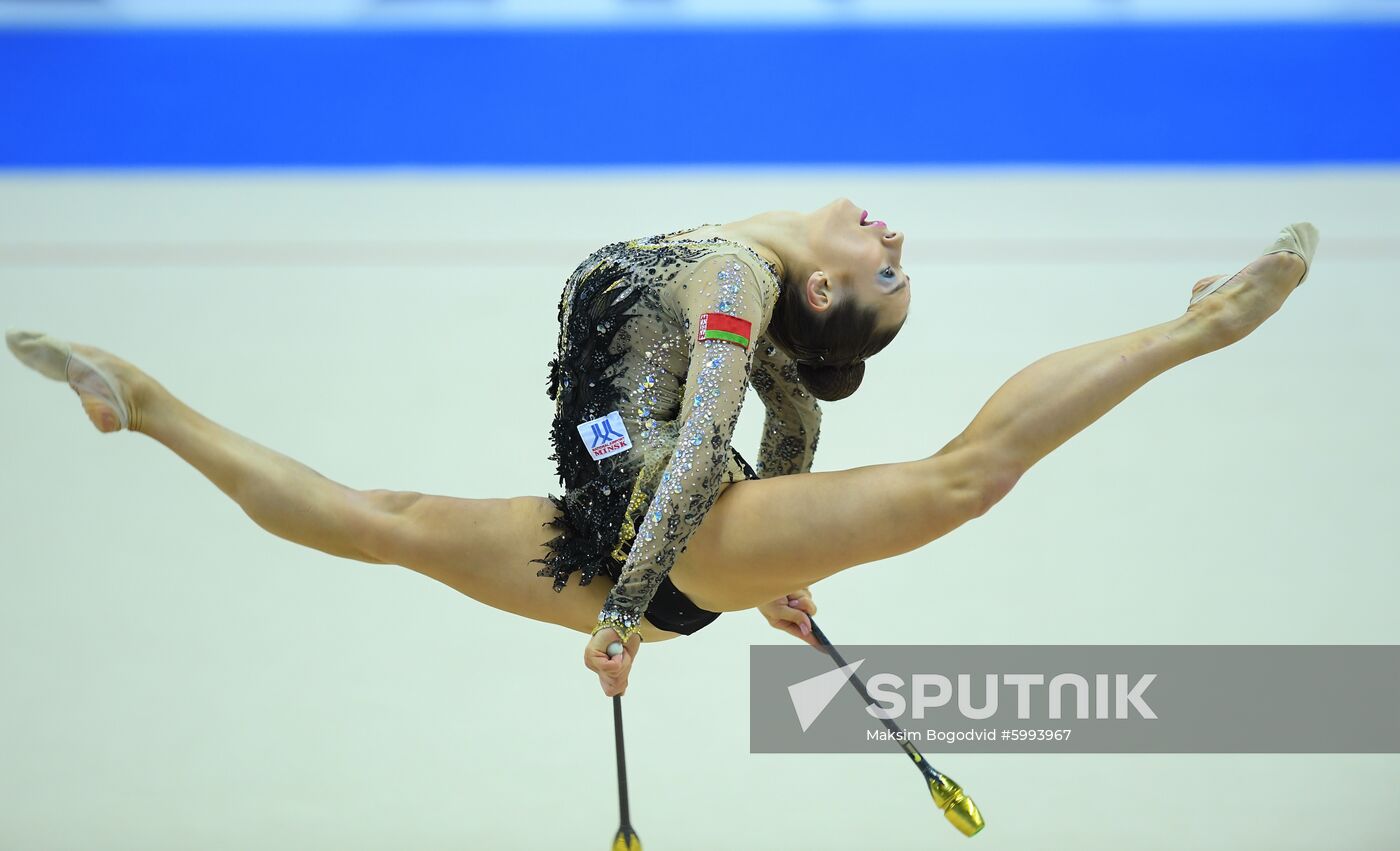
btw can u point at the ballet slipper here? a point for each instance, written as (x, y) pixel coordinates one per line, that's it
(55, 358)
(1299, 238)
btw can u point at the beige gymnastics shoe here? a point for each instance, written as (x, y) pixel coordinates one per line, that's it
(55, 358)
(1299, 238)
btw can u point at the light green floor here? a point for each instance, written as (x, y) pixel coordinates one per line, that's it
(175, 678)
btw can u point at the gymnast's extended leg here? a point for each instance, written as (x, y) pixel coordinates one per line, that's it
(480, 547)
(764, 538)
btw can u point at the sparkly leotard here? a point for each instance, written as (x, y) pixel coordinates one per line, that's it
(628, 342)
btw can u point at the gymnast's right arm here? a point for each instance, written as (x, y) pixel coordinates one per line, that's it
(720, 294)
(722, 304)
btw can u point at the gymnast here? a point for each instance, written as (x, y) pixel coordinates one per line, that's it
(665, 523)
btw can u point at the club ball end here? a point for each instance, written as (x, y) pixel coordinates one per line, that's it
(965, 817)
(626, 840)
(956, 805)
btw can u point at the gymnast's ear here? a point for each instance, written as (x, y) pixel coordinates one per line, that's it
(817, 291)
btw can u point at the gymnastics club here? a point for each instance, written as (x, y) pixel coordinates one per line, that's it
(947, 794)
(626, 839)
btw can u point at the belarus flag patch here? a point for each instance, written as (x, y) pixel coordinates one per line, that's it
(722, 326)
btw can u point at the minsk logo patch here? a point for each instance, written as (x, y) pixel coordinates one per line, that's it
(605, 436)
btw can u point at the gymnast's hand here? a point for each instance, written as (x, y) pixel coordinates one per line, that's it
(612, 673)
(792, 613)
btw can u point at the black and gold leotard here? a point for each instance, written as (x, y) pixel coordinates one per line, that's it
(659, 338)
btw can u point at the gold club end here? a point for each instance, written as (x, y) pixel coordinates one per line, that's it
(965, 817)
(956, 805)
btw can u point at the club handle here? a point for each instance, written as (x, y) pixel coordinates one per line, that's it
(947, 794)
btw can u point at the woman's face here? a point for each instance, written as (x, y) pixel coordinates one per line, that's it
(859, 257)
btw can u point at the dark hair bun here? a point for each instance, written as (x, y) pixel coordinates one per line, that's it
(830, 383)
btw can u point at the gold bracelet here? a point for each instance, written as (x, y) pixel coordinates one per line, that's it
(619, 623)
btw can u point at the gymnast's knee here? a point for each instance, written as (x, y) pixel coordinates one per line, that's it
(997, 482)
(382, 524)
(389, 501)
(970, 479)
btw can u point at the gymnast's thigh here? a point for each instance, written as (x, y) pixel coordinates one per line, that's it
(767, 537)
(485, 549)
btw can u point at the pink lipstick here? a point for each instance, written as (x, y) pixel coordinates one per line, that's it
(864, 214)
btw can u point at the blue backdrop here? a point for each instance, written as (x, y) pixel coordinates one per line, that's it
(1152, 94)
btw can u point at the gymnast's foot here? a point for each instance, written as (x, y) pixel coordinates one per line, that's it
(1233, 306)
(112, 391)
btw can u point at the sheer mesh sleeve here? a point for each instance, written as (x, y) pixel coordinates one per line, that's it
(716, 380)
(793, 419)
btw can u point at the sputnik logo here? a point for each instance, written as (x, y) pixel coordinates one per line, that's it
(811, 697)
